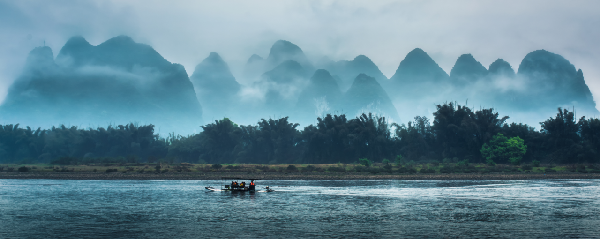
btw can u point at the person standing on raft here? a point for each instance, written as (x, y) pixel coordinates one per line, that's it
(251, 187)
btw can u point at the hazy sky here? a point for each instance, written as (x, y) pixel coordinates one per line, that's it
(186, 31)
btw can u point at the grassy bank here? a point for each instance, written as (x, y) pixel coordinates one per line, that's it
(297, 171)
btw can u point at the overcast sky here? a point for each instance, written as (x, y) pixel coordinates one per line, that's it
(186, 32)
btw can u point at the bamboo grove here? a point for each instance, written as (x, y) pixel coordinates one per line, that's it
(456, 133)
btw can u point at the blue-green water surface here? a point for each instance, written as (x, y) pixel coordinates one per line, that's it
(356, 209)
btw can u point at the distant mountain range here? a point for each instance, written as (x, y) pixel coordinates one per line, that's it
(118, 81)
(122, 81)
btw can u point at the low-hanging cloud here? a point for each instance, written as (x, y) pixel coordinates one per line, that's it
(185, 32)
(504, 84)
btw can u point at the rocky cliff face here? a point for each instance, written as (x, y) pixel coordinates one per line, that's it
(117, 81)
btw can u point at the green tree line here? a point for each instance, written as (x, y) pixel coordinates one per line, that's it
(457, 133)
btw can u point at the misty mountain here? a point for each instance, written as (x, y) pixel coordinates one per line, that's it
(282, 51)
(121, 81)
(366, 95)
(254, 66)
(418, 68)
(347, 71)
(39, 61)
(116, 81)
(502, 68)
(286, 72)
(554, 81)
(282, 86)
(544, 82)
(418, 83)
(467, 70)
(417, 75)
(215, 86)
(320, 97)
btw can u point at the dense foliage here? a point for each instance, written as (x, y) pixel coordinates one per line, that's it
(504, 150)
(457, 134)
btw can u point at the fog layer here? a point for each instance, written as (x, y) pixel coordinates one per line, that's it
(420, 52)
(385, 31)
(121, 81)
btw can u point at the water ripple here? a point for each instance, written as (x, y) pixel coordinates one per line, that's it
(363, 209)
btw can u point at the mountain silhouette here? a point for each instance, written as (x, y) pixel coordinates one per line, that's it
(282, 51)
(119, 51)
(215, 86)
(40, 59)
(116, 81)
(467, 70)
(554, 81)
(418, 67)
(121, 81)
(418, 83)
(501, 67)
(286, 72)
(254, 67)
(321, 96)
(282, 86)
(347, 71)
(366, 95)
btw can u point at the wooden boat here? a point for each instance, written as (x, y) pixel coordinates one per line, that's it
(238, 187)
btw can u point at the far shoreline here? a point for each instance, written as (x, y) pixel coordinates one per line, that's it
(292, 176)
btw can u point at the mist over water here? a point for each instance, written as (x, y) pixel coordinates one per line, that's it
(358, 208)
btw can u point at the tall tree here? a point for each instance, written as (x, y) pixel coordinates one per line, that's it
(561, 137)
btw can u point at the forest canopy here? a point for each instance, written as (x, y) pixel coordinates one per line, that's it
(457, 133)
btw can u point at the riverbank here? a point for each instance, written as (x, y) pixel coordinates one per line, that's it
(291, 176)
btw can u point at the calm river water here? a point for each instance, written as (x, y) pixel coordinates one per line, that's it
(357, 209)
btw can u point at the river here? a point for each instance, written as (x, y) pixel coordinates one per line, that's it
(312, 208)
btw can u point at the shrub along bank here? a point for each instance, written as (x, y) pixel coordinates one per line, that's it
(374, 168)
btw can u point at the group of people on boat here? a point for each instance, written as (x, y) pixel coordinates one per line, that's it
(242, 185)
